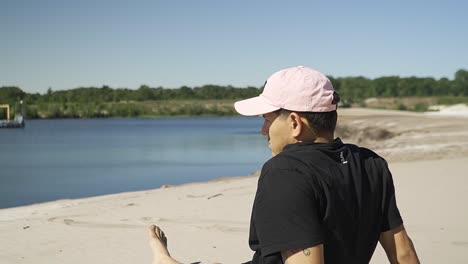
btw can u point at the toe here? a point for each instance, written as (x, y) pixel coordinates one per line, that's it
(164, 239)
(158, 232)
(152, 231)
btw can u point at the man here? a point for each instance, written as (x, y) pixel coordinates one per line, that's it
(318, 200)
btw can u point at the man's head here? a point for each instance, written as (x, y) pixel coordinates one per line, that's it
(298, 104)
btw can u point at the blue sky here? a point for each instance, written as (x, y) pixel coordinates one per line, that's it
(67, 44)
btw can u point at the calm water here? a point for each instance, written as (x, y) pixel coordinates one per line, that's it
(55, 159)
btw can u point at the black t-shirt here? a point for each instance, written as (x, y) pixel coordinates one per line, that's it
(335, 194)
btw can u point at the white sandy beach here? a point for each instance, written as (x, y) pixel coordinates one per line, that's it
(209, 222)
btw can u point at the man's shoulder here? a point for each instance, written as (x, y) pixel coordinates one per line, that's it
(281, 165)
(366, 156)
(364, 152)
(284, 161)
(275, 163)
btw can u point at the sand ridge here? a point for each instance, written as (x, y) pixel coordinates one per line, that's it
(405, 136)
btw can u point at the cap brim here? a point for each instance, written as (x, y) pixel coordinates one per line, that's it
(254, 106)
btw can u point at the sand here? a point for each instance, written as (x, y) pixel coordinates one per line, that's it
(209, 222)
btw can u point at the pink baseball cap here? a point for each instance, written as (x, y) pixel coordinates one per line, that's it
(299, 89)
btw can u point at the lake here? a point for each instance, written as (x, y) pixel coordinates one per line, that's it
(75, 158)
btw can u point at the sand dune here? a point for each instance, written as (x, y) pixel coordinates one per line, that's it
(404, 136)
(209, 222)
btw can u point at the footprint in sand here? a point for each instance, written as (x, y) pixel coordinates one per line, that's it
(146, 219)
(68, 221)
(460, 243)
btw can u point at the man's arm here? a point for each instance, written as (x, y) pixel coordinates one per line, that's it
(398, 246)
(312, 255)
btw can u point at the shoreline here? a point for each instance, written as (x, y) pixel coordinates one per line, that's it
(400, 136)
(170, 186)
(448, 110)
(163, 186)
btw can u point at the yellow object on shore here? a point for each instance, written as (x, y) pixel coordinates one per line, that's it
(8, 111)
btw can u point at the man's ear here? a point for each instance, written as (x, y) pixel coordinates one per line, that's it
(296, 124)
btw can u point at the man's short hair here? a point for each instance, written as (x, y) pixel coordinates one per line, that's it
(320, 122)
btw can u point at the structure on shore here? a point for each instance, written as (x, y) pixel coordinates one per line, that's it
(18, 122)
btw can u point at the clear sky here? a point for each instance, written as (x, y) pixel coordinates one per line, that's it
(64, 44)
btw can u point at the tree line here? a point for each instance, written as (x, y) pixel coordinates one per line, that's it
(106, 101)
(359, 88)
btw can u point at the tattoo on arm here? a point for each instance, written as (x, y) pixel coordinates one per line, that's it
(289, 253)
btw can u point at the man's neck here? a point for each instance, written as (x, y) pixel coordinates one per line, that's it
(324, 139)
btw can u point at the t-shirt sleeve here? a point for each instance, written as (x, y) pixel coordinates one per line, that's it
(391, 215)
(285, 213)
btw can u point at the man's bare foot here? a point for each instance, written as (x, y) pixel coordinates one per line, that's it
(158, 244)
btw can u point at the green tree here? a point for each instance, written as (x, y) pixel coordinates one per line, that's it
(461, 82)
